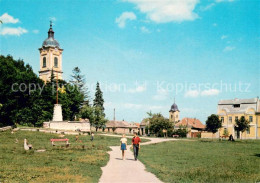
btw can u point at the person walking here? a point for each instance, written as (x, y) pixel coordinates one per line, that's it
(123, 146)
(92, 136)
(136, 145)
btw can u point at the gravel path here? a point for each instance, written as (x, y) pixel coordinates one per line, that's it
(128, 170)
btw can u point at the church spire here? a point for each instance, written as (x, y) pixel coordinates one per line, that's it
(51, 32)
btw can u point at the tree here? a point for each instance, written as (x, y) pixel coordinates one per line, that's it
(242, 125)
(32, 106)
(99, 118)
(158, 123)
(87, 112)
(98, 100)
(79, 80)
(213, 123)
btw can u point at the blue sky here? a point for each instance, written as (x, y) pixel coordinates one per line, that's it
(145, 53)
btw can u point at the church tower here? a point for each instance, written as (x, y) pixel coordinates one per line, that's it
(50, 57)
(174, 113)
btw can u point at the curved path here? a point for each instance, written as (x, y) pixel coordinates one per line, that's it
(128, 170)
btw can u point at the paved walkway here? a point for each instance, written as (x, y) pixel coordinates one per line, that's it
(128, 170)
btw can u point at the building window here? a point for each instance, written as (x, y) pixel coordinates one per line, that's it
(230, 119)
(44, 62)
(222, 119)
(236, 118)
(248, 131)
(55, 62)
(236, 105)
(250, 119)
(171, 116)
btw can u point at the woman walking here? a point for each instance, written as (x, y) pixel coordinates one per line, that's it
(123, 146)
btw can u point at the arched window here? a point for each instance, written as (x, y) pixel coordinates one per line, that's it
(44, 62)
(55, 62)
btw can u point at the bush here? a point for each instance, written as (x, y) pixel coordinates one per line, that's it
(182, 132)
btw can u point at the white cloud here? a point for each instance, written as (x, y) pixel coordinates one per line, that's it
(224, 37)
(210, 92)
(121, 21)
(161, 95)
(13, 31)
(163, 11)
(141, 106)
(144, 29)
(196, 93)
(229, 48)
(53, 19)
(35, 31)
(8, 19)
(192, 93)
(138, 89)
(208, 7)
(215, 25)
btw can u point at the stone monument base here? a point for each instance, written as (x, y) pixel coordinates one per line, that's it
(57, 113)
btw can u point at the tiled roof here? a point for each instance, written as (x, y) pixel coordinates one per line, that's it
(120, 124)
(238, 101)
(191, 122)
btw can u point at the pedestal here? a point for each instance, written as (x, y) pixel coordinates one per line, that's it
(57, 113)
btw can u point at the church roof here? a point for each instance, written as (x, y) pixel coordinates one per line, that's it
(174, 108)
(50, 41)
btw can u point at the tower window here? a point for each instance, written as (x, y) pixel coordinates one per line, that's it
(250, 119)
(236, 105)
(222, 119)
(44, 62)
(55, 62)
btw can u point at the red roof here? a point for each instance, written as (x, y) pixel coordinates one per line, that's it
(191, 122)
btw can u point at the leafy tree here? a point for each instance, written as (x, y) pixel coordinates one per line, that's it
(16, 101)
(242, 125)
(32, 107)
(213, 123)
(98, 100)
(158, 123)
(87, 112)
(182, 132)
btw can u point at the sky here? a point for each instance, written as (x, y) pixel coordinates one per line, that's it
(145, 53)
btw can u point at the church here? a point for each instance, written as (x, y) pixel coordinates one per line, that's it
(51, 62)
(50, 57)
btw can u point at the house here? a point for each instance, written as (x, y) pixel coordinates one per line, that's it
(121, 127)
(231, 110)
(143, 126)
(193, 125)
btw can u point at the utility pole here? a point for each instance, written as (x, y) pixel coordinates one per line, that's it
(114, 114)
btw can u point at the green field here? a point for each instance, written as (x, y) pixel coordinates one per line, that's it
(58, 164)
(203, 161)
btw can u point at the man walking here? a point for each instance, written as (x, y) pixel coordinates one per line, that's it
(136, 144)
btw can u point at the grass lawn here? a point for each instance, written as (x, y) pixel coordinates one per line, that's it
(203, 161)
(57, 164)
